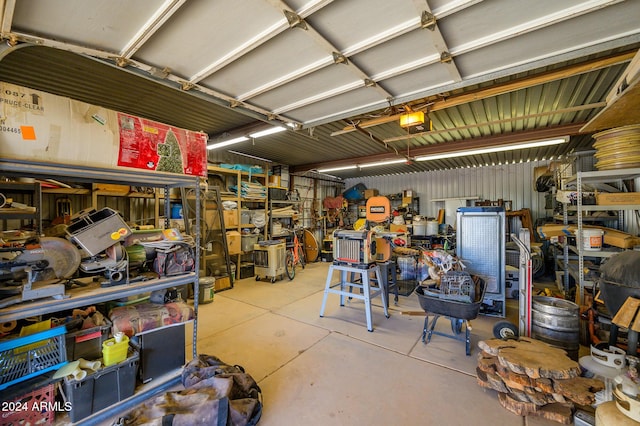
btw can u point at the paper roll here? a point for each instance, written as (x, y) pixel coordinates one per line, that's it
(3, 200)
(8, 326)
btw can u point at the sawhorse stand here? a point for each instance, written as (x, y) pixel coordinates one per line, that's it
(345, 287)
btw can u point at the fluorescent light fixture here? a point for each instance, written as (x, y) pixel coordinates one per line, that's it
(524, 145)
(362, 166)
(227, 143)
(335, 169)
(251, 156)
(382, 163)
(269, 131)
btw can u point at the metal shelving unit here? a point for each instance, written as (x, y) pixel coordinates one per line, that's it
(237, 177)
(580, 179)
(33, 192)
(81, 297)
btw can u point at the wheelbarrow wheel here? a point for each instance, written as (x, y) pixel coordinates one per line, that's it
(505, 330)
(456, 325)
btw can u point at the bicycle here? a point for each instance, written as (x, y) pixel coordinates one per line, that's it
(295, 256)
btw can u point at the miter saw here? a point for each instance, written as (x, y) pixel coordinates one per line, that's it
(35, 269)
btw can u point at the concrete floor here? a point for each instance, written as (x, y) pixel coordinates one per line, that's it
(332, 371)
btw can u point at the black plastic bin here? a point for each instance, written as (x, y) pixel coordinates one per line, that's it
(102, 388)
(87, 343)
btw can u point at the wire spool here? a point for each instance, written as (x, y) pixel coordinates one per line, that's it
(618, 148)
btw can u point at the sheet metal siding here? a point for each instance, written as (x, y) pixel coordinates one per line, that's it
(508, 182)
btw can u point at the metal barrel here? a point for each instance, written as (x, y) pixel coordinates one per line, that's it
(556, 322)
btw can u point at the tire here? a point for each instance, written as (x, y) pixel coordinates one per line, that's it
(273, 280)
(456, 325)
(505, 330)
(257, 277)
(289, 266)
(301, 256)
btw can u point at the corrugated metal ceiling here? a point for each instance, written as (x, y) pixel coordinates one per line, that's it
(323, 65)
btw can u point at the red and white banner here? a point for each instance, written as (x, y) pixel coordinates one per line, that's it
(149, 145)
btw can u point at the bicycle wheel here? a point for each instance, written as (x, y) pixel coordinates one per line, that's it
(289, 265)
(301, 256)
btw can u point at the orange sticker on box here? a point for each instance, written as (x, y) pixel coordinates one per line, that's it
(28, 133)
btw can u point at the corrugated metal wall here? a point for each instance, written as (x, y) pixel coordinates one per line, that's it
(512, 182)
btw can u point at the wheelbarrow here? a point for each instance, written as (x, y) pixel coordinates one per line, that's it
(453, 307)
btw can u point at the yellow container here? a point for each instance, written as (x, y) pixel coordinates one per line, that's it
(114, 352)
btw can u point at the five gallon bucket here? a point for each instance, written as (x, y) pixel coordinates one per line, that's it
(556, 322)
(206, 289)
(419, 228)
(592, 239)
(432, 227)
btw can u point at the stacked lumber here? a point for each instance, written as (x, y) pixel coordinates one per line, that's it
(534, 378)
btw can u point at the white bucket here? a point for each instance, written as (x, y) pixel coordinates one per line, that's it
(419, 228)
(432, 227)
(592, 239)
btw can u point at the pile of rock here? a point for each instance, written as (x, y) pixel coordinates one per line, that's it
(534, 378)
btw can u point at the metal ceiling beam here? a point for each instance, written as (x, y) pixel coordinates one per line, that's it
(447, 57)
(331, 50)
(147, 71)
(534, 25)
(150, 27)
(7, 8)
(240, 51)
(454, 6)
(263, 37)
(429, 23)
(502, 121)
(504, 88)
(463, 145)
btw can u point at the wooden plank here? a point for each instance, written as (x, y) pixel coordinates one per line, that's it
(623, 110)
(627, 312)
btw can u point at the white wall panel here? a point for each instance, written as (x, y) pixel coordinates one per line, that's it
(508, 182)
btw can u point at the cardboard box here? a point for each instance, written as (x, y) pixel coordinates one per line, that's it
(274, 180)
(618, 198)
(231, 218)
(620, 239)
(234, 241)
(222, 283)
(368, 193)
(398, 228)
(211, 219)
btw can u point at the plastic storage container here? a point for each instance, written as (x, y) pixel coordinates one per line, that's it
(248, 241)
(114, 352)
(87, 343)
(29, 356)
(102, 388)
